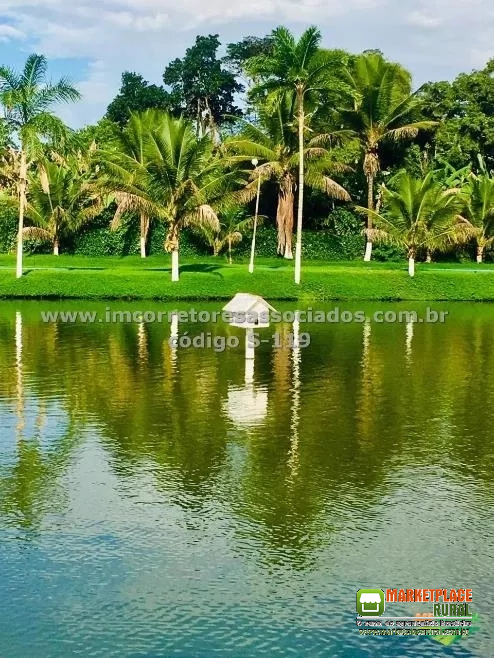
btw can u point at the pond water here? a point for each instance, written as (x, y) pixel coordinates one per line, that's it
(172, 502)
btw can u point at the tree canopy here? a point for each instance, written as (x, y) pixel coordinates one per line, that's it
(136, 95)
(202, 87)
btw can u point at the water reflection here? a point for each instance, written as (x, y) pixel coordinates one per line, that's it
(19, 373)
(324, 391)
(288, 464)
(409, 341)
(31, 463)
(293, 461)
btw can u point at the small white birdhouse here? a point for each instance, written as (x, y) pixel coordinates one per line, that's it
(249, 311)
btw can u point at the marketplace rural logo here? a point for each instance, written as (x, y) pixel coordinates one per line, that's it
(450, 616)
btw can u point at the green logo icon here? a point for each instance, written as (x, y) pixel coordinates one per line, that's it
(370, 602)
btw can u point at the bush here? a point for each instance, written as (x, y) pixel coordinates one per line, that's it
(102, 241)
(316, 245)
(388, 253)
(8, 229)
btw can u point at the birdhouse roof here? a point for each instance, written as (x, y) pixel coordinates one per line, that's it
(246, 303)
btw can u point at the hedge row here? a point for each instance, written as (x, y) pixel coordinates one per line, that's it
(339, 238)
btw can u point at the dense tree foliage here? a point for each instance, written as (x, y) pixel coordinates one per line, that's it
(465, 110)
(136, 95)
(239, 53)
(202, 87)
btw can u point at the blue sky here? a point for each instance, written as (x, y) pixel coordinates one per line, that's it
(94, 41)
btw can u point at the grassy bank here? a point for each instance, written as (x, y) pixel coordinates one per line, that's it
(74, 277)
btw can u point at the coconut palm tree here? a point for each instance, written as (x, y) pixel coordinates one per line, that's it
(418, 214)
(479, 211)
(131, 145)
(62, 198)
(180, 176)
(232, 227)
(26, 98)
(300, 67)
(380, 107)
(273, 141)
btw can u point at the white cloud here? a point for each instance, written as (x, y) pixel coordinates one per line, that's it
(9, 32)
(435, 38)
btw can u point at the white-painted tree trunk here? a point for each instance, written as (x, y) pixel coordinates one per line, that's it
(368, 252)
(22, 202)
(19, 255)
(175, 269)
(56, 248)
(411, 266)
(144, 234)
(298, 262)
(254, 234)
(480, 255)
(301, 182)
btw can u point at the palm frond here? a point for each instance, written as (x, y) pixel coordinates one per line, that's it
(204, 215)
(36, 233)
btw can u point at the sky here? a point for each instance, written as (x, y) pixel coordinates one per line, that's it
(94, 41)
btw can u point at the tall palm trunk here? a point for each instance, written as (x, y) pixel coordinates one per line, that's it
(254, 233)
(175, 266)
(230, 250)
(284, 217)
(370, 206)
(298, 245)
(144, 234)
(411, 261)
(171, 245)
(22, 205)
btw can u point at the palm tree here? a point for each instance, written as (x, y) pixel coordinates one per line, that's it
(273, 141)
(180, 177)
(62, 198)
(232, 228)
(417, 214)
(479, 211)
(299, 67)
(27, 98)
(381, 107)
(131, 144)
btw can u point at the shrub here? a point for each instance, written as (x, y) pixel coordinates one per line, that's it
(8, 229)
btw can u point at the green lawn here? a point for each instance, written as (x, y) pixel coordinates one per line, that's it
(212, 278)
